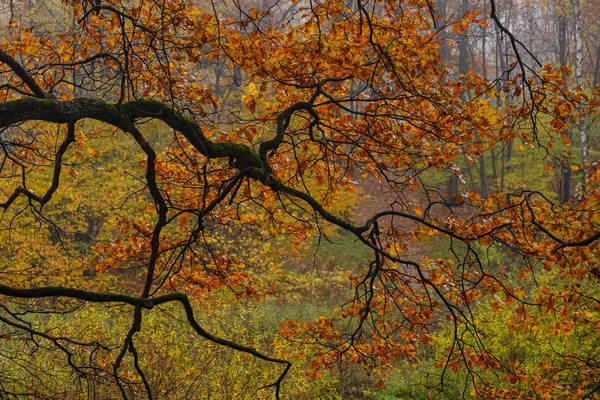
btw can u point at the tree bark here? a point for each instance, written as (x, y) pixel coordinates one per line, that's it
(565, 181)
(582, 122)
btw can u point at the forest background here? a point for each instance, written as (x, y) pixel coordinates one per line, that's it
(299, 199)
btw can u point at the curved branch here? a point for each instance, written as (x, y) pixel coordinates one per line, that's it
(95, 297)
(124, 116)
(58, 163)
(147, 303)
(24, 75)
(283, 122)
(284, 118)
(561, 242)
(513, 40)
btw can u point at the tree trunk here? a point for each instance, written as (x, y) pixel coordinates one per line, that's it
(582, 122)
(452, 183)
(597, 68)
(565, 181)
(482, 173)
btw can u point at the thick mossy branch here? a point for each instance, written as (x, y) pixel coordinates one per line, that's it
(95, 297)
(123, 116)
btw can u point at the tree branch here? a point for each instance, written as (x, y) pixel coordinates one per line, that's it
(24, 75)
(147, 303)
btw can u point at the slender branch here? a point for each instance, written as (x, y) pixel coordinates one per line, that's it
(147, 303)
(24, 75)
(561, 242)
(161, 207)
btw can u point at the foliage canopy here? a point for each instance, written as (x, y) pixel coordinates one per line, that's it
(169, 157)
